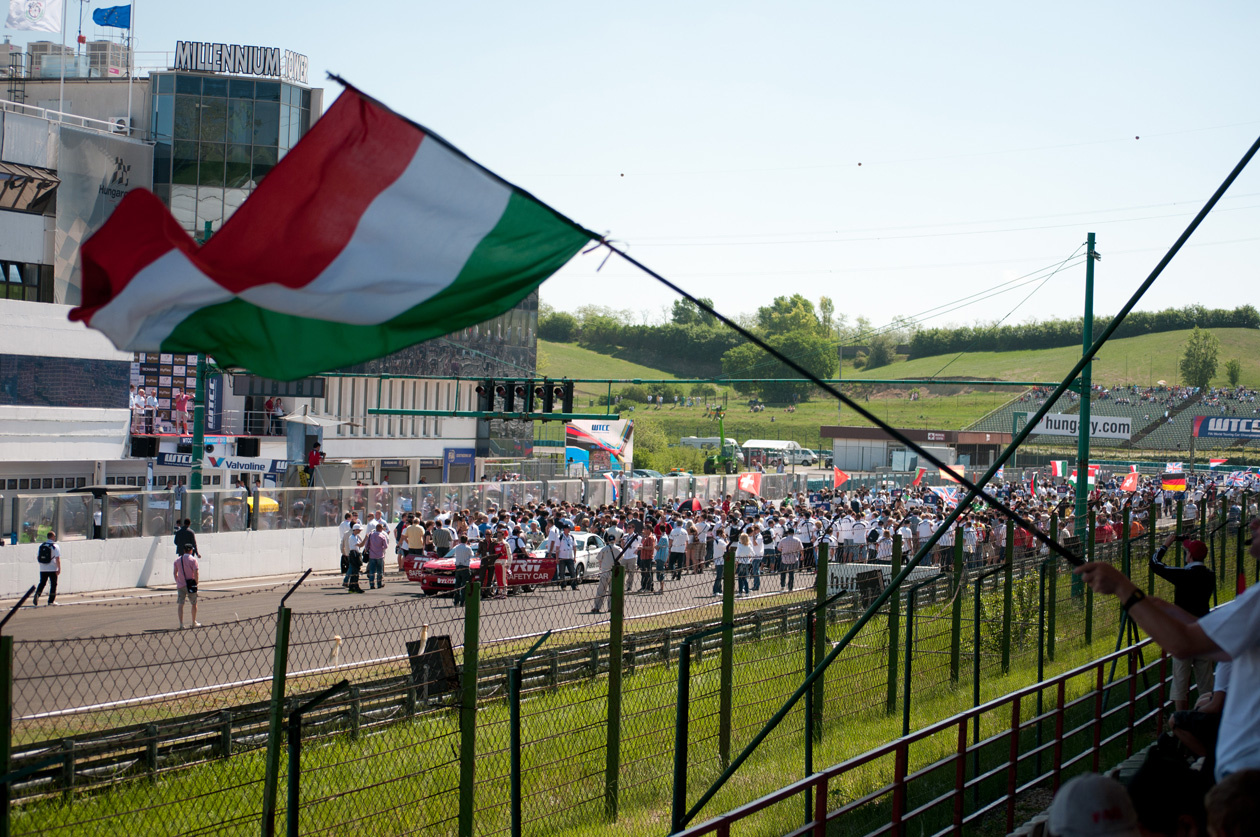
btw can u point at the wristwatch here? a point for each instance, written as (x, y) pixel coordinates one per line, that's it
(1136, 596)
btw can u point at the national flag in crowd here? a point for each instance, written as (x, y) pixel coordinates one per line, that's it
(1173, 468)
(1237, 479)
(953, 472)
(1131, 482)
(118, 17)
(1090, 477)
(1174, 483)
(371, 235)
(1000, 474)
(1212, 463)
(616, 486)
(918, 478)
(840, 478)
(750, 482)
(949, 496)
(36, 15)
(1032, 484)
(1058, 468)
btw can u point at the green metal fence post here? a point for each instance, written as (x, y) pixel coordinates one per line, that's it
(6, 733)
(1092, 546)
(956, 588)
(1008, 595)
(612, 764)
(1181, 504)
(275, 726)
(820, 640)
(726, 686)
(905, 685)
(468, 710)
(894, 630)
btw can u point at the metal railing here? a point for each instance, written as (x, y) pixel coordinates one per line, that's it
(1084, 728)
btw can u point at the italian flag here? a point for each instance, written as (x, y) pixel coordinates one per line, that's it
(371, 235)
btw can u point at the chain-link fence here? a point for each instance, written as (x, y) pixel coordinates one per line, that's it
(559, 707)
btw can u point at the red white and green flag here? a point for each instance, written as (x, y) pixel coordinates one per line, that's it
(1058, 468)
(1215, 463)
(1090, 477)
(371, 235)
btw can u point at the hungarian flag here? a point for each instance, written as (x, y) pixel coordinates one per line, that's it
(1133, 469)
(918, 478)
(750, 482)
(1032, 484)
(371, 235)
(1212, 463)
(1131, 482)
(1058, 468)
(840, 478)
(1174, 483)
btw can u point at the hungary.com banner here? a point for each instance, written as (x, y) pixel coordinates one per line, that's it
(1223, 427)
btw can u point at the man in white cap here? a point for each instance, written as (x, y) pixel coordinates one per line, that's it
(1093, 805)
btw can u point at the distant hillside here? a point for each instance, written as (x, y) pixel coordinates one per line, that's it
(567, 360)
(1131, 360)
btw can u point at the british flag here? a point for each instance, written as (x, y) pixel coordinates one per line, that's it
(1238, 479)
(949, 496)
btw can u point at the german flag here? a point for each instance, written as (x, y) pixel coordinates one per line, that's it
(1174, 482)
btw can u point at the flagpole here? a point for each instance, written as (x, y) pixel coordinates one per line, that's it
(61, 94)
(131, 59)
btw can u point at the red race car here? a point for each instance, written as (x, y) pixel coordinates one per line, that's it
(437, 575)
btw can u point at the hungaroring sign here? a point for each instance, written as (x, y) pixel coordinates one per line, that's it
(1219, 427)
(1100, 427)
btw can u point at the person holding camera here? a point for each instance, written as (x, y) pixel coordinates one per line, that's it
(1192, 592)
(187, 573)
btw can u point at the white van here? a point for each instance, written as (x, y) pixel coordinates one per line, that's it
(790, 452)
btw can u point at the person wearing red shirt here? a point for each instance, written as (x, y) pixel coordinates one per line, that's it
(494, 564)
(314, 460)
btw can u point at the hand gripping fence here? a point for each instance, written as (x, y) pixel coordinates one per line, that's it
(974, 489)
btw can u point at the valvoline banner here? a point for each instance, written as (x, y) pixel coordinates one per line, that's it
(1224, 427)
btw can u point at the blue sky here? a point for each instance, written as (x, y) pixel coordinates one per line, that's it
(721, 142)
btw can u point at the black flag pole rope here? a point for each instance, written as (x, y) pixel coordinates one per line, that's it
(973, 489)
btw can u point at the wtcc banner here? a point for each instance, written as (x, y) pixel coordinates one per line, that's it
(1223, 427)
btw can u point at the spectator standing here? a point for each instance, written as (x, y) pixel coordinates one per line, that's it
(647, 552)
(566, 554)
(313, 460)
(352, 545)
(180, 416)
(150, 411)
(412, 539)
(277, 414)
(187, 576)
(135, 402)
(1193, 585)
(49, 558)
(790, 549)
(743, 562)
(462, 553)
(377, 543)
(184, 537)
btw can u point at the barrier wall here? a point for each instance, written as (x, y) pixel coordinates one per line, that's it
(90, 566)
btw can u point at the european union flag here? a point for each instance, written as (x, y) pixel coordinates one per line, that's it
(118, 16)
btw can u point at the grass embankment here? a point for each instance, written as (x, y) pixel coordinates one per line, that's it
(403, 778)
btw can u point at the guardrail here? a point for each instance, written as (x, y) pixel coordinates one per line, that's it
(1083, 728)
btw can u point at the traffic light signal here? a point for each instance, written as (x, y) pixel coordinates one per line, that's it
(524, 396)
(500, 392)
(509, 396)
(548, 393)
(485, 396)
(566, 397)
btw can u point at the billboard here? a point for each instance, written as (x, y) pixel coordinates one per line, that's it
(1222, 427)
(1100, 427)
(600, 445)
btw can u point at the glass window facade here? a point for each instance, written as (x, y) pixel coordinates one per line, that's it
(217, 137)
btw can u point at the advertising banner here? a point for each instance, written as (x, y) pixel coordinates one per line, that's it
(600, 445)
(1100, 427)
(1223, 427)
(234, 464)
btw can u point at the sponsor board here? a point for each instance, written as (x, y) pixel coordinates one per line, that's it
(1223, 427)
(236, 465)
(1100, 427)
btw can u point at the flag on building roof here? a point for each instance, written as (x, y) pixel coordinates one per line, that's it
(36, 15)
(371, 235)
(118, 17)
(1213, 463)
(1058, 468)
(1174, 483)
(839, 478)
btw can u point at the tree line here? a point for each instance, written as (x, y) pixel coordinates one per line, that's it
(1052, 334)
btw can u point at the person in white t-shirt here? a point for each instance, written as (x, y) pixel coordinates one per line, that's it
(187, 575)
(49, 558)
(1231, 632)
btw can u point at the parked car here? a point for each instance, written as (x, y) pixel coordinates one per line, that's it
(801, 456)
(437, 575)
(647, 473)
